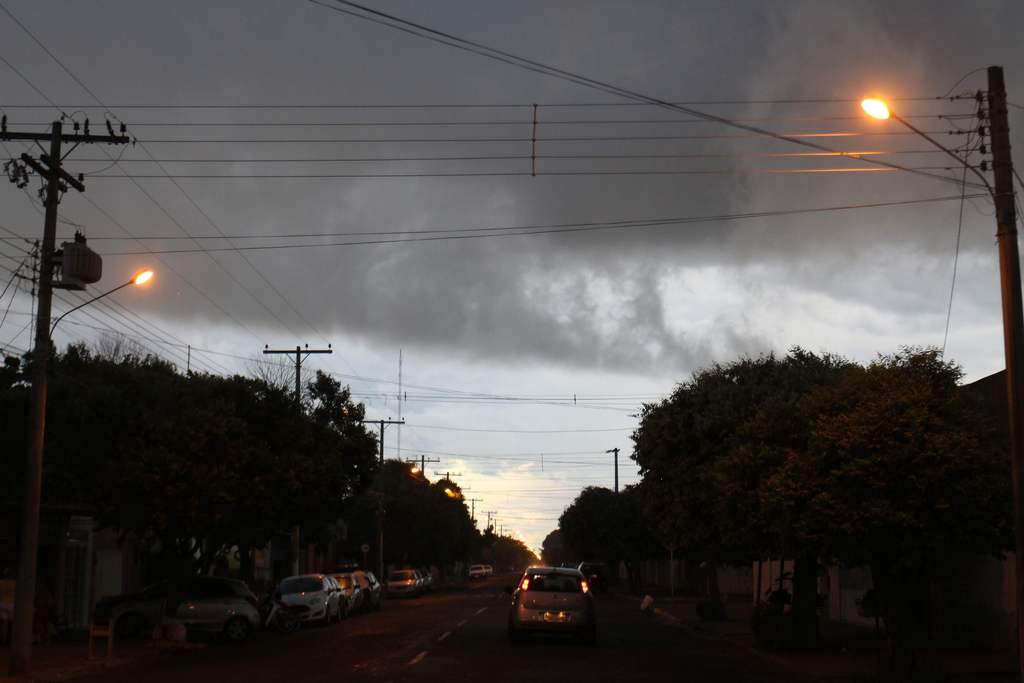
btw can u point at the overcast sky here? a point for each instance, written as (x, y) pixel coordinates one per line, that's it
(613, 317)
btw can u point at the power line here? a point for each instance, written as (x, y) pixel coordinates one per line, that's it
(397, 23)
(523, 431)
(798, 137)
(468, 105)
(176, 184)
(565, 228)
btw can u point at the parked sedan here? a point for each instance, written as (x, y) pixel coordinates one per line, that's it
(553, 600)
(318, 592)
(352, 596)
(202, 603)
(370, 588)
(405, 582)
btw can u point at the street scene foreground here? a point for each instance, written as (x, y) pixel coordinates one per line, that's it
(457, 636)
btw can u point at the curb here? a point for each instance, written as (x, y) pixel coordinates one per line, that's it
(696, 633)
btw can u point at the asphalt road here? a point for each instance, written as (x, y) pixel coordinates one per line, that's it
(459, 636)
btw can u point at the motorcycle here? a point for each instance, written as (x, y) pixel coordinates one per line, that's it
(281, 617)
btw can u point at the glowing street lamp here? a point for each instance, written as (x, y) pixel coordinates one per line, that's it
(139, 279)
(875, 108)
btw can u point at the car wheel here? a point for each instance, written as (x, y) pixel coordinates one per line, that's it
(237, 629)
(129, 625)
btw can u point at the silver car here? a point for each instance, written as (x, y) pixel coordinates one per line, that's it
(202, 603)
(351, 593)
(404, 582)
(552, 600)
(318, 592)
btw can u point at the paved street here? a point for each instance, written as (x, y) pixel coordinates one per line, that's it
(459, 636)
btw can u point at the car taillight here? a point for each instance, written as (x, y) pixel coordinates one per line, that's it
(525, 585)
(584, 586)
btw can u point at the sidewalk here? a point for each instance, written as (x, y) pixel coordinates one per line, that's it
(849, 652)
(64, 660)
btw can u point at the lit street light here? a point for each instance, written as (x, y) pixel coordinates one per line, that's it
(139, 279)
(1009, 278)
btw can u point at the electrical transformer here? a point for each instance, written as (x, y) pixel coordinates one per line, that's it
(79, 265)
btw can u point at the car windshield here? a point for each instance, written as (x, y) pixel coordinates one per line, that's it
(553, 583)
(402, 575)
(344, 581)
(300, 584)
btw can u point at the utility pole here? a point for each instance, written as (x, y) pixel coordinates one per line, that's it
(472, 508)
(616, 452)
(1013, 320)
(383, 424)
(57, 180)
(423, 462)
(491, 514)
(448, 475)
(299, 358)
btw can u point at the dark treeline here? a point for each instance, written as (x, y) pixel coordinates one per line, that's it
(888, 465)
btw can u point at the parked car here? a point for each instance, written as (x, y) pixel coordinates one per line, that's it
(351, 594)
(478, 571)
(489, 570)
(203, 604)
(553, 600)
(427, 578)
(405, 582)
(317, 591)
(370, 588)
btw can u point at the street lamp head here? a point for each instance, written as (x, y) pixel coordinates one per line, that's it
(414, 469)
(142, 277)
(875, 108)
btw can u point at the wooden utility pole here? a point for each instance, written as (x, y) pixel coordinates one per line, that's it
(616, 452)
(301, 354)
(1013, 320)
(383, 424)
(57, 180)
(472, 508)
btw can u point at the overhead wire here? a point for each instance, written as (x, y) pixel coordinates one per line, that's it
(406, 26)
(477, 233)
(206, 216)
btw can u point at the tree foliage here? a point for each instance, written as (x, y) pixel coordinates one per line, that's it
(192, 465)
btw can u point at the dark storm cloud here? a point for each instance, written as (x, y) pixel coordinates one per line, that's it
(597, 300)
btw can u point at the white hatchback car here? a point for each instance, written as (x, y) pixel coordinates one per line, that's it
(318, 592)
(478, 571)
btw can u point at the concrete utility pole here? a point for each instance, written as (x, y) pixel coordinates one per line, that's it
(1013, 320)
(301, 354)
(48, 166)
(616, 452)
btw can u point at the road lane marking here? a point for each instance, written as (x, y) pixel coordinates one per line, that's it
(444, 635)
(479, 611)
(418, 658)
(460, 624)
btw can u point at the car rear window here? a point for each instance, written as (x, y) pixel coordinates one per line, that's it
(553, 583)
(301, 584)
(402, 575)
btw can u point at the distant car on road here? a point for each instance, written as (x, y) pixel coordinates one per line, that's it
(478, 571)
(370, 588)
(317, 591)
(552, 600)
(405, 582)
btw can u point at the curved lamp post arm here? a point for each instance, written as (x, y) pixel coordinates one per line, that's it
(962, 162)
(86, 303)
